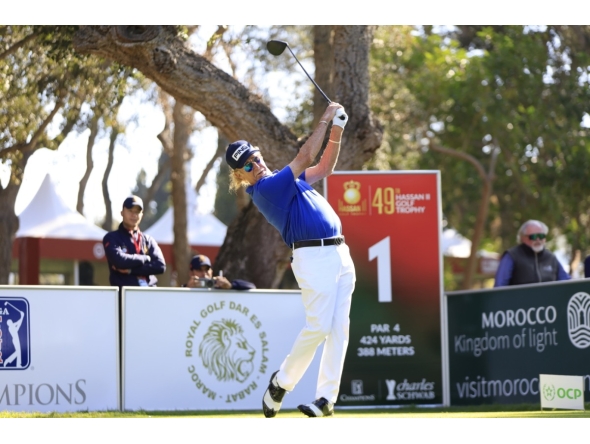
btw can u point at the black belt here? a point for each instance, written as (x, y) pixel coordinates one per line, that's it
(318, 242)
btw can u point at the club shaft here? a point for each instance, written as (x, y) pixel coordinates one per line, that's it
(313, 81)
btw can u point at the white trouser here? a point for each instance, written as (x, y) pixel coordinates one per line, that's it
(326, 277)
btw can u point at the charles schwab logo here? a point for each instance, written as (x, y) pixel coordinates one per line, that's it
(401, 391)
(578, 319)
(15, 343)
(226, 348)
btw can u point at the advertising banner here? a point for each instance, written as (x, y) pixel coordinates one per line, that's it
(502, 339)
(561, 392)
(391, 223)
(59, 348)
(203, 349)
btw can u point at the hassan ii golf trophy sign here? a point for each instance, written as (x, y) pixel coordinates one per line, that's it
(391, 222)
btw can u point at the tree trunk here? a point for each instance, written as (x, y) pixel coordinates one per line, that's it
(480, 221)
(248, 233)
(108, 219)
(484, 204)
(183, 126)
(89, 164)
(162, 55)
(323, 56)
(8, 227)
(9, 222)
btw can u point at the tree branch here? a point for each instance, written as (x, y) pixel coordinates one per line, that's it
(31, 145)
(460, 155)
(217, 155)
(19, 45)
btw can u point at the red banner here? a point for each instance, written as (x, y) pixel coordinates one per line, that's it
(391, 222)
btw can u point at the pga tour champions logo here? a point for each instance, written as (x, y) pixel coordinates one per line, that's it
(578, 319)
(15, 344)
(227, 352)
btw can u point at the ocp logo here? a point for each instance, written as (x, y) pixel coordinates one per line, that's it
(578, 319)
(548, 392)
(15, 344)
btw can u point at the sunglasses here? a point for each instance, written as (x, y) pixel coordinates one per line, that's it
(537, 236)
(249, 166)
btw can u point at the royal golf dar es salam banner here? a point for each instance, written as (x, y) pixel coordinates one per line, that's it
(391, 223)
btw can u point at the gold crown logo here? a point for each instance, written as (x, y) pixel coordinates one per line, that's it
(352, 184)
(352, 194)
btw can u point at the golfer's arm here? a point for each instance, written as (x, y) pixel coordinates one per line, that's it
(327, 163)
(309, 150)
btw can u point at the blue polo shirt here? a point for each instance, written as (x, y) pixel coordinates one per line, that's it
(294, 208)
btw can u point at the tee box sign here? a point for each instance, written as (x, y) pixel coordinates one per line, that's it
(561, 392)
(391, 223)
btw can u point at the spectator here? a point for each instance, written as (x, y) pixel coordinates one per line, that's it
(587, 266)
(202, 276)
(134, 257)
(529, 262)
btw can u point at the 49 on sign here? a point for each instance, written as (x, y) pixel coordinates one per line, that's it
(384, 200)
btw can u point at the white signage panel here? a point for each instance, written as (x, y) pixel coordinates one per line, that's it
(561, 392)
(59, 348)
(200, 349)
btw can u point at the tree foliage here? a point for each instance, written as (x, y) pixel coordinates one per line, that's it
(472, 89)
(46, 91)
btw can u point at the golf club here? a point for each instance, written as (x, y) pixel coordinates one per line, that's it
(8, 303)
(277, 47)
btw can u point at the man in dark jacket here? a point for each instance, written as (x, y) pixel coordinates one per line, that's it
(202, 276)
(134, 257)
(529, 262)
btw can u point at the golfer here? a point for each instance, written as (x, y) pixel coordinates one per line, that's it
(321, 260)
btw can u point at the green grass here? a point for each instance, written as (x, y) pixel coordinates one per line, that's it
(484, 411)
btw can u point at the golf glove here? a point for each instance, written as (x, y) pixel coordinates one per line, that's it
(340, 118)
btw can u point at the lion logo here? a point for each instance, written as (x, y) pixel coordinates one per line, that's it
(225, 352)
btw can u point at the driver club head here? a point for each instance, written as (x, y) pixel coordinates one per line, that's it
(276, 47)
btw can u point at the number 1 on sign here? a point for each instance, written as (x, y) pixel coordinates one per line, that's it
(381, 251)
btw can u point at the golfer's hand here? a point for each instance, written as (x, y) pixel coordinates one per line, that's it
(340, 118)
(330, 112)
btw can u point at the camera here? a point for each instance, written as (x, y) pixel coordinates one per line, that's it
(205, 282)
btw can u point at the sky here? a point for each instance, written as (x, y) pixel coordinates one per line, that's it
(138, 149)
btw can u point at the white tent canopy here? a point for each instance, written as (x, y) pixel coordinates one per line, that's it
(202, 229)
(455, 245)
(49, 216)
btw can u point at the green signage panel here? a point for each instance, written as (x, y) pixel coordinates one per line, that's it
(500, 340)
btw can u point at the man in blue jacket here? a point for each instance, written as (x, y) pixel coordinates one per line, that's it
(134, 257)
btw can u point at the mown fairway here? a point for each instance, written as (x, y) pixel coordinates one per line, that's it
(506, 411)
